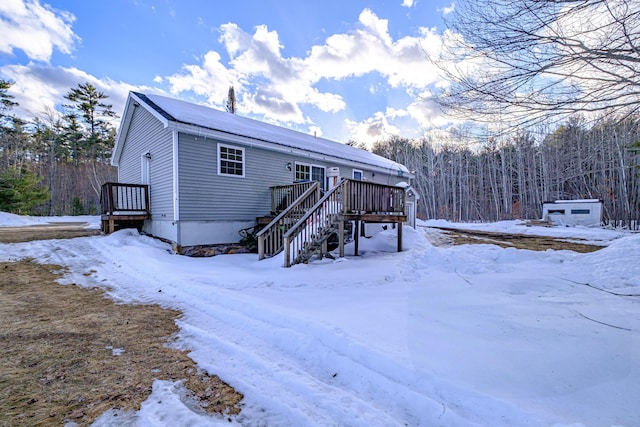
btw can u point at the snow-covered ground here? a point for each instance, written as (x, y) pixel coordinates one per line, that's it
(472, 335)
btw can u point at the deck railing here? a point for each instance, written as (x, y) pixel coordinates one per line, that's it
(370, 198)
(126, 199)
(270, 238)
(282, 196)
(348, 198)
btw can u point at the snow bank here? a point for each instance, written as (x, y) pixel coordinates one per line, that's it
(469, 335)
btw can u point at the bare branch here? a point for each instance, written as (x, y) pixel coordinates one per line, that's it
(539, 60)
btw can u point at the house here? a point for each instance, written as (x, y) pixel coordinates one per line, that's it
(211, 174)
(585, 212)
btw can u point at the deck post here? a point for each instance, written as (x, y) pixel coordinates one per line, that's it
(287, 252)
(399, 237)
(356, 238)
(341, 237)
(261, 247)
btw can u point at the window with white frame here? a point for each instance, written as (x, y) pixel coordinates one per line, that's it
(230, 160)
(307, 172)
(303, 172)
(357, 174)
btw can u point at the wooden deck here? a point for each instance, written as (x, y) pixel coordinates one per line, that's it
(303, 219)
(305, 226)
(124, 205)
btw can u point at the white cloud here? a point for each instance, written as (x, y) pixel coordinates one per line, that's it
(277, 87)
(408, 3)
(39, 87)
(35, 29)
(371, 49)
(447, 9)
(376, 128)
(211, 79)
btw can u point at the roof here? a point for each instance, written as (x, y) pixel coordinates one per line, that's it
(557, 202)
(186, 115)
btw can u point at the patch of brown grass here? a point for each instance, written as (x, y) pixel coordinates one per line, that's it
(518, 241)
(45, 232)
(58, 346)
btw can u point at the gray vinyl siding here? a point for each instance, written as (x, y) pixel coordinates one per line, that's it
(146, 133)
(207, 196)
(370, 176)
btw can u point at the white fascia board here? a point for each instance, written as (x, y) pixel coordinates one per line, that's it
(272, 146)
(132, 103)
(176, 186)
(153, 111)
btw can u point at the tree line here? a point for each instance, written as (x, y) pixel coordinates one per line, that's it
(510, 177)
(55, 164)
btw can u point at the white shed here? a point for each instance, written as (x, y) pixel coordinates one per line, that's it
(585, 212)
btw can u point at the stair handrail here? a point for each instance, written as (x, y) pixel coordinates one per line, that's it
(323, 214)
(283, 195)
(270, 238)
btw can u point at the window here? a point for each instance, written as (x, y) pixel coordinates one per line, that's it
(580, 211)
(305, 172)
(556, 211)
(357, 174)
(230, 160)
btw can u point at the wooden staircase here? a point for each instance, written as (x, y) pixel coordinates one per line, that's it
(304, 227)
(309, 235)
(349, 201)
(290, 203)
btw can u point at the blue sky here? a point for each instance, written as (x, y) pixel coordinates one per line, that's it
(341, 69)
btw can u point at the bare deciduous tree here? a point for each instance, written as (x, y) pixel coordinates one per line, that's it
(530, 61)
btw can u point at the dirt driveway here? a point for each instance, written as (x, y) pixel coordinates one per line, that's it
(52, 230)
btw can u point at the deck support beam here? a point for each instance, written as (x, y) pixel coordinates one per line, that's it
(341, 237)
(356, 238)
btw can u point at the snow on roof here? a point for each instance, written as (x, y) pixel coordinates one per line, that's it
(576, 201)
(202, 116)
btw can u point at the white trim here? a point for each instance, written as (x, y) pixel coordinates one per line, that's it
(153, 111)
(354, 171)
(176, 186)
(311, 166)
(130, 106)
(232, 147)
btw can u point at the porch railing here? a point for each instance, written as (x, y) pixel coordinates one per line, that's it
(282, 196)
(125, 199)
(270, 238)
(370, 198)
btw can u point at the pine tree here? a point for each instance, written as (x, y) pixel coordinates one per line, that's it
(6, 102)
(88, 109)
(90, 137)
(20, 191)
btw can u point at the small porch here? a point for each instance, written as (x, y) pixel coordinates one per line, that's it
(124, 205)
